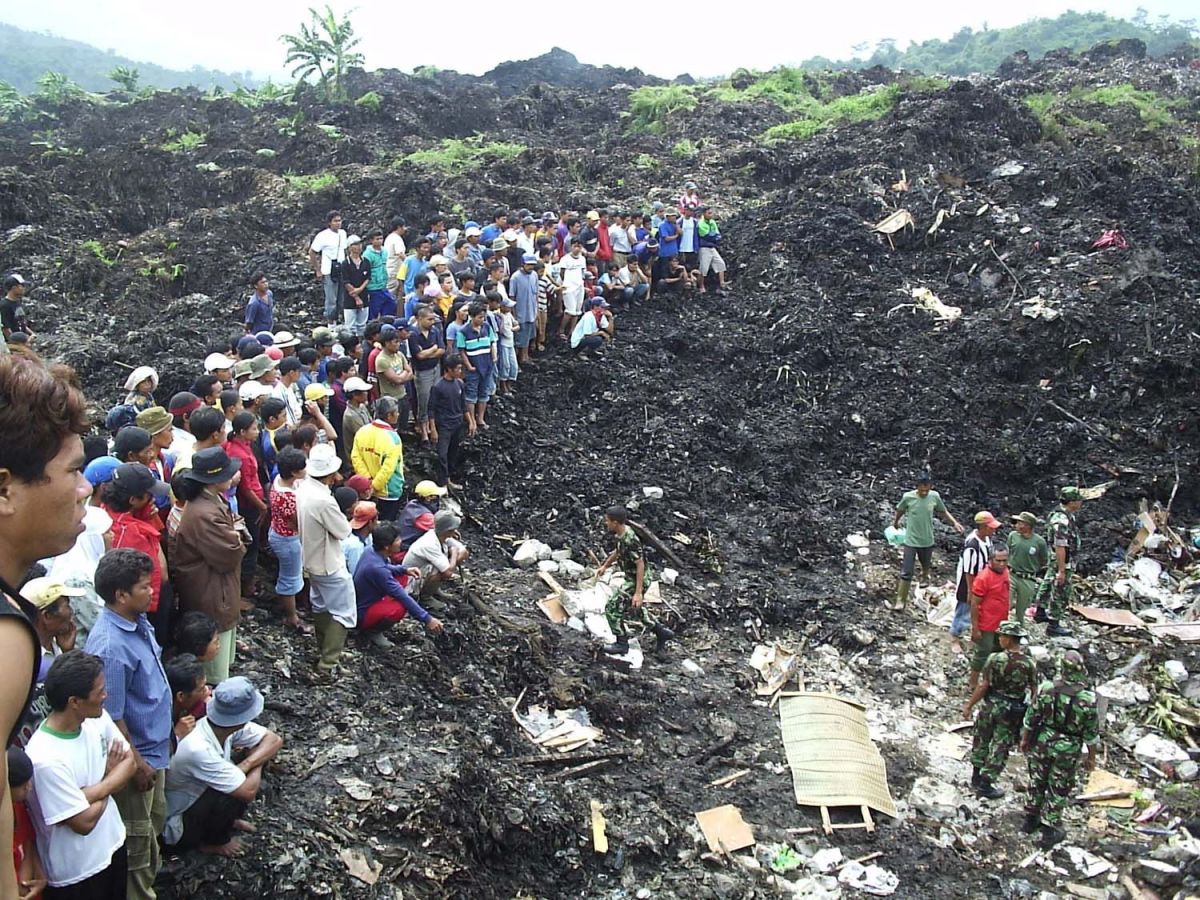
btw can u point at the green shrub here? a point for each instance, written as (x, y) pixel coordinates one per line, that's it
(651, 107)
(646, 162)
(95, 248)
(370, 101)
(186, 142)
(331, 131)
(864, 107)
(13, 104)
(685, 149)
(56, 88)
(311, 184)
(456, 156)
(1051, 109)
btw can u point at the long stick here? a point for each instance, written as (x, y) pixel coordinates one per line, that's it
(1074, 418)
(652, 539)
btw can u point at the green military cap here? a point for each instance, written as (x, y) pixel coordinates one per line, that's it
(1071, 667)
(1069, 493)
(1027, 517)
(241, 368)
(260, 365)
(1012, 629)
(154, 419)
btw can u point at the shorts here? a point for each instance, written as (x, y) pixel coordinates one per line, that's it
(711, 261)
(480, 386)
(573, 301)
(689, 260)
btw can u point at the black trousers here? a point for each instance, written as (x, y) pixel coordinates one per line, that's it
(250, 561)
(209, 821)
(106, 885)
(449, 450)
(388, 509)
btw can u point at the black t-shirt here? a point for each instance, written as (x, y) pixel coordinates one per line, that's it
(418, 342)
(446, 404)
(14, 610)
(354, 276)
(12, 314)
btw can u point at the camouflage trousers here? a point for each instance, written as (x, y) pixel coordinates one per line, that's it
(997, 730)
(1058, 597)
(619, 610)
(1053, 769)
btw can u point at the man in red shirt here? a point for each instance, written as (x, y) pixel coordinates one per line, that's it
(252, 501)
(989, 607)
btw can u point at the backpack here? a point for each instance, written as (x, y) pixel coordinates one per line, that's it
(119, 416)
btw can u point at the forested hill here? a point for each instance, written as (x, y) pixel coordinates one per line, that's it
(982, 51)
(27, 55)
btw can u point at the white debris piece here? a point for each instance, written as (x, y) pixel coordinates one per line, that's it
(560, 555)
(1157, 750)
(548, 566)
(1089, 864)
(934, 798)
(1124, 692)
(1177, 670)
(857, 540)
(1008, 169)
(869, 879)
(571, 568)
(669, 576)
(1147, 570)
(652, 493)
(529, 552)
(826, 859)
(692, 668)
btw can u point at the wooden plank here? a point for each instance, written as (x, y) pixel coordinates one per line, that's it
(599, 837)
(1188, 632)
(729, 779)
(1105, 616)
(553, 609)
(552, 583)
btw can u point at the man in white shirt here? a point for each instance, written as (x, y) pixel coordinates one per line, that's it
(393, 246)
(438, 553)
(80, 760)
(325, 254)
(618, 236)
(207, 793)
(571, 271)
(323, 527)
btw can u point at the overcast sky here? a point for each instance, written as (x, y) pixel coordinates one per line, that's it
(702, 37)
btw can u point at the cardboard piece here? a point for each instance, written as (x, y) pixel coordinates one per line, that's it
(1104, 616)
(599, 837)
(725, 829)
(1188, 632)
(1101, 781)
(775, 664)
(553, 609)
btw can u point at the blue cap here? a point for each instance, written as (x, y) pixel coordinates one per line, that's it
(100, 470)
(470, 224)
(529, 259)
(600, 302)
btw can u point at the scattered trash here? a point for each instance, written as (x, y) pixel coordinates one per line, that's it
(1105, 616)
(1089, 864)
(869, 879)
(562, 730)
(858, 540)
(1111, 238)
(927, 300)
(826, 860)
(358, 867)
(1039, 308)
(692, 668)
(895, 536)
(1008, 169)
(782, 858)
(896, 222)
(725, 829)
(599, 836)
(356, 787)
(669, 576)
(652, 493)
(934, 798)
(1108, 789)
(775, 664)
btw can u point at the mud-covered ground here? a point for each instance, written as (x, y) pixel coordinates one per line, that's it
(776, 421)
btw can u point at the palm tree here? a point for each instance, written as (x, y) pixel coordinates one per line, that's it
(127, 77)
(324, 46)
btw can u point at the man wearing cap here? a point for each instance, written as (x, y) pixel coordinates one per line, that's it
(12, 308)
(379, 455)
(595, 327)
(159, 423)
(260, 305)
(972, 559)
(207, 793)
(382, 599)
(438, 553)
(523, 290)
(1060, 721)
(181, 407)
(417, 516)
(1056, 592)
(1007, 684)
(325, 256)
(1028, 556)
(139, 701)
(690, 198)
(220, 365)
(917, 509)
(140, 387)
(55, 627)
(323, 527)
(989, 607)
(357, 412)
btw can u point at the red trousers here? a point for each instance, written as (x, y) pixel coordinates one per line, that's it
(384, 611)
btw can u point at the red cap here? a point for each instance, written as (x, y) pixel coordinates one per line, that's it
(986, 518)
(358, 483)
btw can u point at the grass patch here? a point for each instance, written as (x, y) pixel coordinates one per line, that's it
(784, 86)
(370, 101)
(1153, 110)
(685, 149)
(818, 117)
(645, 162)
(184, 143)
(923, 84)
(1052, 110)
(96, 248)
(310, 184)
(457, 156)
(651, 108)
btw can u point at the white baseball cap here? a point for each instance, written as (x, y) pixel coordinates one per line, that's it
(354, 383)
(215, 361)
(252, 390)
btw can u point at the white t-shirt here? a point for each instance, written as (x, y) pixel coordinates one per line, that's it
(618, 236)
(332, 247)
(429, 553)
(62, 768)
(572, 268)
(394, 245)
(201, 762)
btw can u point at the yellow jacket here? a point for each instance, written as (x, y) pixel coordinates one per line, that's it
(379, 455)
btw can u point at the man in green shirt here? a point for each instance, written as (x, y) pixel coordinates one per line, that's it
(626, 604)
(380, 301)
(917, 508)
(1028, 556)
(393, 368)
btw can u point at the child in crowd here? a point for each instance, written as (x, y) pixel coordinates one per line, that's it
(31, 878)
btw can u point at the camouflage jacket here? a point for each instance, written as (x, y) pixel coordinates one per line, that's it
(1061, 531)
(1011, 676)
(1063, 712)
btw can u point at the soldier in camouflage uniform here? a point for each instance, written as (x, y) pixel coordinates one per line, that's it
(1059, 722)
(626, 603)
(1007, 680)
(1062, 534)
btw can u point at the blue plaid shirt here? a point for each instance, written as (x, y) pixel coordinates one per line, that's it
(138, 692)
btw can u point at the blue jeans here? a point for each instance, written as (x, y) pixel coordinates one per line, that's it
(480, 386)
(331, 297)
(380, 303)
(506, 365)
(287, 550)
(962, 620)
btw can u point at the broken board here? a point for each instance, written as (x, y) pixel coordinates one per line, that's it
(1101, 782)
(1104, 616)
(831, 755)
(725, 829)
(1188, 632)
(553, 609)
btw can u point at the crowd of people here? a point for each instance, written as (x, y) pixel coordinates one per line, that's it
(998, 586)
(285, 458)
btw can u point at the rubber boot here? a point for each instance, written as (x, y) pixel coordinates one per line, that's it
(987, 790)
(1030, 823)
(619, 648)
(903, 586)
(331, 645)
(1051, 836)
(975, 777)
(664, 635)
(1040, 615)
(321, 625)
(1056, 630)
